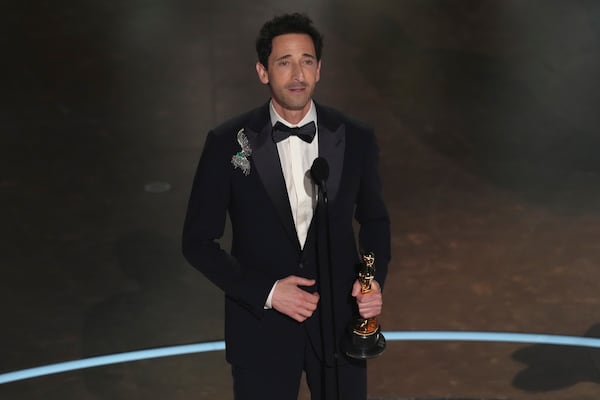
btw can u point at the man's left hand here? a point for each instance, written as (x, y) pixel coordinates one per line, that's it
(369, 304)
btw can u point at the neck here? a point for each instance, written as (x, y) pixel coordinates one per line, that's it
(292, 116)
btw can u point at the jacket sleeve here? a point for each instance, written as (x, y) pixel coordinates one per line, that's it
(205, 223)
(371, 212)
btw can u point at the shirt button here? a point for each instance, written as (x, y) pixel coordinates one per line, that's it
(301, 265)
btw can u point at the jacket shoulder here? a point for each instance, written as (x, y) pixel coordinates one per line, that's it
(233, 125)
(332, 117)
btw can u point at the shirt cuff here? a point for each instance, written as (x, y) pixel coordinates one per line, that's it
(268, 305)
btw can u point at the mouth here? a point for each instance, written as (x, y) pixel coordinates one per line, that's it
(297, 89)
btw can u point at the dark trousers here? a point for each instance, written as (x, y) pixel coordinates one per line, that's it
(282, 382)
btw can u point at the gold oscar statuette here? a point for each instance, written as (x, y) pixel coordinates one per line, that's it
(364, 338)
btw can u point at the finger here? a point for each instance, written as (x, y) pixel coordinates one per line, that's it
(369, 311)
(312, 298)
(308, 313)
(299, 317)
(370, 314)
(369, 308)
(369, 305)
(305, 312)
(311, 307)
(370, 296)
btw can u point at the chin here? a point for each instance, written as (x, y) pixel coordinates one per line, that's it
(298, 106)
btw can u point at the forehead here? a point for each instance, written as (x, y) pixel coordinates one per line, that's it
(292, 44)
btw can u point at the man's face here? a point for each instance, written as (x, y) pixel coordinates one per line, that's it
(292, 73)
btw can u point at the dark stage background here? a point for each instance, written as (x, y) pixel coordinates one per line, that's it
(486, 113)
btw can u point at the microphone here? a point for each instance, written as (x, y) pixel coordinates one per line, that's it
(320, 172)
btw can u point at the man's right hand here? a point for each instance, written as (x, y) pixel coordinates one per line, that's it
(293, 301)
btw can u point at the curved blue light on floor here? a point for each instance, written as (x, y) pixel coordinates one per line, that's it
(111, 359)
(534, 338)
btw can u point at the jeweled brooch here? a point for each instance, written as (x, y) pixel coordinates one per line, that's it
(240, 159)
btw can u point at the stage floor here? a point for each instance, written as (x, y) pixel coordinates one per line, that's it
(486, 115)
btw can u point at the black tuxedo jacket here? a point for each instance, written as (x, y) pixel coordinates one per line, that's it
(265, 245)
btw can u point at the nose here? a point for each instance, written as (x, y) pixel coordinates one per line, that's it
(298, 73)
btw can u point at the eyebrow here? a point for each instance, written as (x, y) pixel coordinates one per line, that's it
(289, 55)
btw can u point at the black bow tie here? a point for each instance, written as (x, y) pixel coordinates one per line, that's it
(304, 132)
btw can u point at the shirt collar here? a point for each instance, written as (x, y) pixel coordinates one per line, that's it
(311, 116)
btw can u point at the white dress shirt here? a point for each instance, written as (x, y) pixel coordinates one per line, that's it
(296, 157)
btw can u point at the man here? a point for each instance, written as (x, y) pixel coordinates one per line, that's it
(256, 170)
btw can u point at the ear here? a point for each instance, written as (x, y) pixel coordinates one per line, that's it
(318, 76)
(262, 72)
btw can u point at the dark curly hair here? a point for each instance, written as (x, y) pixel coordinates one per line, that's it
(280, 25)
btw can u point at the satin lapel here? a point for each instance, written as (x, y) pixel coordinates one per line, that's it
(332, 144)
(268, 167)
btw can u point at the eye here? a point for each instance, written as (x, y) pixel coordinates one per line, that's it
(310, 61)
(283, 63)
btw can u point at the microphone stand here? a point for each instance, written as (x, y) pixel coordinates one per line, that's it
(326, 276)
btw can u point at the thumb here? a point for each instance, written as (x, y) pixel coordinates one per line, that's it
(356, 288)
